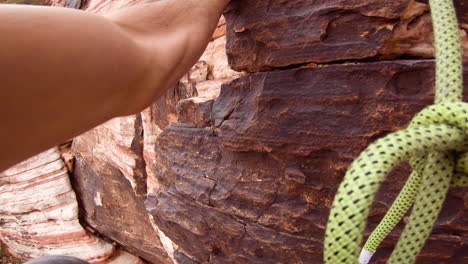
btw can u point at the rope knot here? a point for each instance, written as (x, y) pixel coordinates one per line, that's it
(455, 115)
(450, 113)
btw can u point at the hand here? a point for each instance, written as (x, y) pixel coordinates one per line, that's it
(173, 34)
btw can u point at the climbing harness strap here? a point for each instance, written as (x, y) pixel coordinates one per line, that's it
(435, 143)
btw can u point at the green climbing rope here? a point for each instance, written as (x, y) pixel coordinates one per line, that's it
(436, 145)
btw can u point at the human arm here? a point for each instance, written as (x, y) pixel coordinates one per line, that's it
(65, 71)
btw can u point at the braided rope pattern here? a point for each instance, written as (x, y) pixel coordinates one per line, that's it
(434, 143)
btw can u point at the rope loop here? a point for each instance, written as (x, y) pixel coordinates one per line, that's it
(431, 131)
(436, 145)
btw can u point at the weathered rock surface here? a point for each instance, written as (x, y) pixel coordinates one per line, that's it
(255, 186)
(25, 2)
(269, 34)
(110, 180)
(227, 168)
(106, 6)
(115, 165)
(246, 173)
(58, 3)
(66, 3)
(39, 214)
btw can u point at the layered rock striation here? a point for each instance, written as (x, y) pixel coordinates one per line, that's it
(39, 214)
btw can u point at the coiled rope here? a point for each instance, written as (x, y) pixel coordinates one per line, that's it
(436, 145)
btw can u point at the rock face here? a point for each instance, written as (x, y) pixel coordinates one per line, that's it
(111, 184)
(237, 167)
(328, 31)
(255, 186)
(59, 3)
(246, 173)
(39, 214)
(115, 164)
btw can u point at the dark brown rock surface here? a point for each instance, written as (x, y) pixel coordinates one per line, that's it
(256, 185)
(269, 34)
(246, 173)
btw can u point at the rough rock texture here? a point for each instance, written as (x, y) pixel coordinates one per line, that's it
(246, 173)
(110, 180)
(255, 186)
(328, 31)
(58, 3)
(115, 162)
(113, 174)
(25, 2)
(230, 167)
(39, 214)
(66, 3)
(106, 6)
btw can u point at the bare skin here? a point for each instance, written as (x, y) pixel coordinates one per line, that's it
(65, 71)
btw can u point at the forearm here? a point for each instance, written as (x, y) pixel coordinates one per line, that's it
(64, 72)
(61, 74)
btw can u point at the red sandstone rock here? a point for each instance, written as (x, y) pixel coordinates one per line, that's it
(39, 214)
(220, 30)
(115, 165)
(114, 161)
(269, 34)
(66, 3)
(110, 179)
(244, 171)
(56, 3)
(257, 187)
(106, 6)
